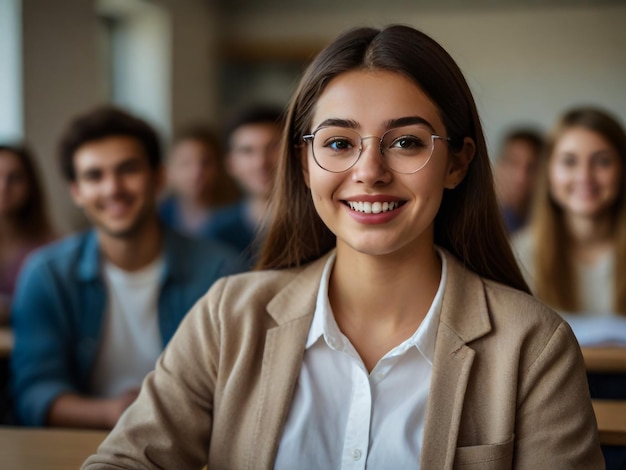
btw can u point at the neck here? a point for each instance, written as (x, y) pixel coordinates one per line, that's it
(135, 251)
(588, 230)
(384, 286)
(200, 203)
(590, 237)
(386, 301)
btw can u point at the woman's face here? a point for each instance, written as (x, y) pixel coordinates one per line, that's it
(584, 173)
(13, 184)
(371, 208)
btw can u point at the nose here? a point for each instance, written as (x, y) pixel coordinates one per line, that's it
(371, 167)
(585, 172)
(112, 184)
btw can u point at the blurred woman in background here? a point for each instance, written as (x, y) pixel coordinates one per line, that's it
(574, 252)
(24, 222)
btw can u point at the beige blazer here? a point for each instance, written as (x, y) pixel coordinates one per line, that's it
(508, 386)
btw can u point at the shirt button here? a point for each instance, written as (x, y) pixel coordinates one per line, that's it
(356, 454)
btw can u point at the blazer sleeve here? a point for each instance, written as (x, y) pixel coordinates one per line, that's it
(555, 424)
(170, 423)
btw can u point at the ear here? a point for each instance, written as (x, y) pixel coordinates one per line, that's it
(75, 193)
(304, 160)
(459, 163)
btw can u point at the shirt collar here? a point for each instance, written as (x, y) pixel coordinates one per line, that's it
(324, 324)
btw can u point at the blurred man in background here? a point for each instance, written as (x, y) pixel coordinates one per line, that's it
(253, 139)
(93, 312)
(515, 173)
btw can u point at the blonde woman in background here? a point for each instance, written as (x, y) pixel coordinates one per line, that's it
(574, 252)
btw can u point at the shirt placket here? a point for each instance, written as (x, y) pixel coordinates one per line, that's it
(356, 439)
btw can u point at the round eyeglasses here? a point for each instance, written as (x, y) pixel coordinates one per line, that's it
(404, 149)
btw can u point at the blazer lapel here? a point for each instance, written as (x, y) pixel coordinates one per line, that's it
(464, 318)
(292, 309)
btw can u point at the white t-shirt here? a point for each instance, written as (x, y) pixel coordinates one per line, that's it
(342, 416)
(131, 340)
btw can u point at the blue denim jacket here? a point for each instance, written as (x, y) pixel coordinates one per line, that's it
(59, 307)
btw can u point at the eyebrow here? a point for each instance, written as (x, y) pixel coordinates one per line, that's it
(390, 124)
(407, 121)
(128, 161)
(333, 122)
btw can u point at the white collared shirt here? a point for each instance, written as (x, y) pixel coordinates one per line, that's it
(342, 416)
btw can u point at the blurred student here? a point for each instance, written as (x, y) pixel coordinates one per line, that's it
(93, 312)
(392, 328)
(253, 139)
(574, 251)
(515, 174)
(24, 221)
(196, 180)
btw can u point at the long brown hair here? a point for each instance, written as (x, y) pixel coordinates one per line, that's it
(31, 219)
(468, 222)
(554, 268)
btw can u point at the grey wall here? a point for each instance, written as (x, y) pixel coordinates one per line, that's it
(524, 64)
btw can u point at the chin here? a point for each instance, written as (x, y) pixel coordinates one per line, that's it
(120, 231)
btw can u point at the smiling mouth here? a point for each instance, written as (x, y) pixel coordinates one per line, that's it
(373, 207)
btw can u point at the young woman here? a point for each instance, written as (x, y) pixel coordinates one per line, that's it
(24, 223)
(580, 218)
(389, 327)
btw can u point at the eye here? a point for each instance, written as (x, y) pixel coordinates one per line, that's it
(603, 160)
(568, 161)
(129, 167)
(90, 176)
(407, 145)
(407, 142)
(339, 144)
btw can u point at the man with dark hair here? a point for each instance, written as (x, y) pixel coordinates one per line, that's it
(515, 172)
(93, 312)
(252, 142)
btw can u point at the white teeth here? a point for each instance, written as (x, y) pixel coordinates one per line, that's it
(373, 207)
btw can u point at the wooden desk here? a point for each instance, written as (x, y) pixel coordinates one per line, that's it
(605, 359)
(6, 342)
(47, 448)
(611, 417)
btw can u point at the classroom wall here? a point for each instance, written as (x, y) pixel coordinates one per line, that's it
(524, 65)
(61, 78)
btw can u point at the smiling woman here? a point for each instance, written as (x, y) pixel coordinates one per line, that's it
(388, 325)
(579, 265)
